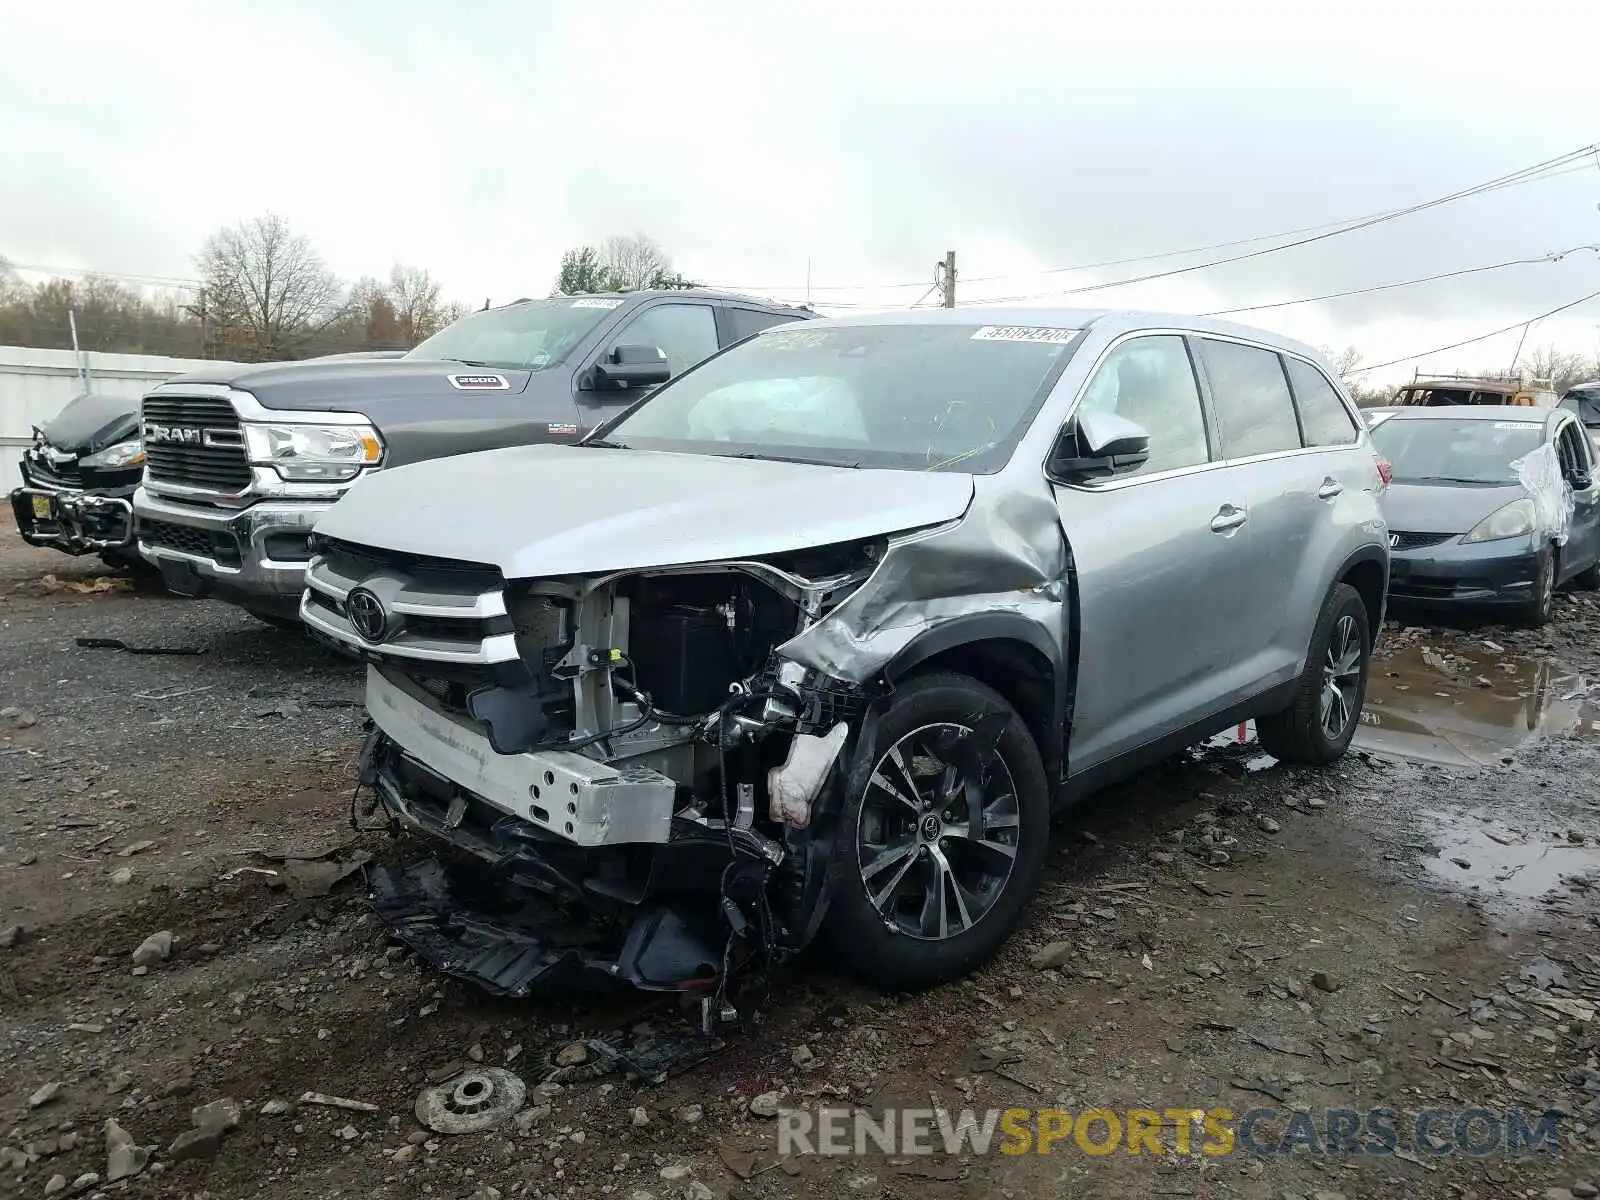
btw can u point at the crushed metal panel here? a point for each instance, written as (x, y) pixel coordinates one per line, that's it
(1006, 555)
(1539, 471)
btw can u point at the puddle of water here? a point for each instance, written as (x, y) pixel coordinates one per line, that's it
(1475, 853)
(1465, 703)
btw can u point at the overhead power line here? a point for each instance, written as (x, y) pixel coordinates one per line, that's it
(79, 272)
(1385, 287)
(1482, 337)
(1526, 175)
(1565, 164)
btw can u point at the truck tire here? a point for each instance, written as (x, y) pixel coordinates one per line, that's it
(1317, 727)
(925, 894)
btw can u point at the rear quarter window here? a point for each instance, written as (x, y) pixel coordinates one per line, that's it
(746, 322)
(1323, 416)
(1255, 412)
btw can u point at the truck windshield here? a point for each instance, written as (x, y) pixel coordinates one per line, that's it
(526, 336)
(905, 397)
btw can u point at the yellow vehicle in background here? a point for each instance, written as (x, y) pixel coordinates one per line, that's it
(1521, 391)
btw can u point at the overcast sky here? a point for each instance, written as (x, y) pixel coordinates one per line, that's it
(482, 137)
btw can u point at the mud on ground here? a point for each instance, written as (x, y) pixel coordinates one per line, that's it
(1411, 929)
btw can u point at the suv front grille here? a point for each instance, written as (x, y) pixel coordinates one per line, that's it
(218, 463)
(48, 474)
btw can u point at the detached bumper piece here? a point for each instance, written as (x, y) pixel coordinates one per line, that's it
(76, 522)
(511, 941)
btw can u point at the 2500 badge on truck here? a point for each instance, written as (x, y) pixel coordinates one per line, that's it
(242, 461)
(819, 634)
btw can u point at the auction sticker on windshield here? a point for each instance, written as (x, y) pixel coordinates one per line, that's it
(595, 302)
(1023, 333)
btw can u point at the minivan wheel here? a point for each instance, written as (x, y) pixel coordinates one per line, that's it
(943, 837)
(1318, 726)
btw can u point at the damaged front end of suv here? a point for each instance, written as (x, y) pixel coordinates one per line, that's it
(662, 739)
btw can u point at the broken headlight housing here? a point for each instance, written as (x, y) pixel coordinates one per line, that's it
(124, 454)
(1514, 520)
(314, 453)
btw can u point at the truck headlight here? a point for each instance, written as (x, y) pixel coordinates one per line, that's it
(1514, 520)
(313, 453)
(124, 454)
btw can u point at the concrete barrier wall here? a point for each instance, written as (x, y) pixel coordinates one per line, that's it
(36, 384)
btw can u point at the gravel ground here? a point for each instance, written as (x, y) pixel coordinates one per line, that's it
(181, 926)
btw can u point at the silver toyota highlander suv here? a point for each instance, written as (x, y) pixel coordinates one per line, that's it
(816, 637)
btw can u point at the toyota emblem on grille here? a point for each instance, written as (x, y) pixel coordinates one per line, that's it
(366, 614)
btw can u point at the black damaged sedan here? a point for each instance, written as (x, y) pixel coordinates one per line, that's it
(78, 479)
(1490, 506)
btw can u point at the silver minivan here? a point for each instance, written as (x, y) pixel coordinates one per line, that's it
(815, 638)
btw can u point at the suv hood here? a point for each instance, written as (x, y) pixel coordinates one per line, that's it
(92, 422)
(544, 511)
(364, 385)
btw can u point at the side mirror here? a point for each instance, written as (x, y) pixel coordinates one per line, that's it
(632, 367)
(1098, 444)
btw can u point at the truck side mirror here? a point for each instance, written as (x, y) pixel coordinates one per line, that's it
(632, 367)
(1097, 444)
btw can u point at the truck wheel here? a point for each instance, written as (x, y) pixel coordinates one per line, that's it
(943, 837)
(1318, 726)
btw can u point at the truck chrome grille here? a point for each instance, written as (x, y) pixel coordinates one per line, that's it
(217, 463)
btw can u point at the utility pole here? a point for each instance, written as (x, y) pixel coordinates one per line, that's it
(946, 275)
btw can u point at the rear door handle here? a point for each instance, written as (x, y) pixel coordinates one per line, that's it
(1228, 518)
(1330, 488)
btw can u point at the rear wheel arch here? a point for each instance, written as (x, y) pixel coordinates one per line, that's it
(1367, 571)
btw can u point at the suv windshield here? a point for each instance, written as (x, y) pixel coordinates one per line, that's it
(1456, 451)
(526, 336)
(905, 397)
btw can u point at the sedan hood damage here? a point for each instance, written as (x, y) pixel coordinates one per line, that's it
(551, 511)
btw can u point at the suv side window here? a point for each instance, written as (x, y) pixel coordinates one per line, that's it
(1150, 381)
(1254, 409)
(1323, 415)
(746, 322)
(687, 333)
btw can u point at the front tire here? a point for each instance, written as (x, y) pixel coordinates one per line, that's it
(1537, 611)
(1317, 727)
(943, 837)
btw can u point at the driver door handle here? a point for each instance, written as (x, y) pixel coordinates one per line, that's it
(1330, 488)
(1228, 519)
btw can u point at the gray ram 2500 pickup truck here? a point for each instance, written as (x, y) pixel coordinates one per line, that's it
(242, 461)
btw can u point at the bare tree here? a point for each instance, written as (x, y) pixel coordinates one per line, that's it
(1561, 368)
(267, 289)
(414, 296)
(634, 262)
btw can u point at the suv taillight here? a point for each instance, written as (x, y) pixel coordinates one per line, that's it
(1385, 469)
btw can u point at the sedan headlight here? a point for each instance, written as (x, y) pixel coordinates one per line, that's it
(124, 454)
(320, 453)
(1514, 520)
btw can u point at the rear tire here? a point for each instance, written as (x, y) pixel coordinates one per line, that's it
(1317, 727)
(918, 900)
(1537, 611)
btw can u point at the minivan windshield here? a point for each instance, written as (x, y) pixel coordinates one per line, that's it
(1465, 451)
(527, 336)
(932, 397)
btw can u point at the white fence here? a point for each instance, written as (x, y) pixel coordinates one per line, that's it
(36, 384)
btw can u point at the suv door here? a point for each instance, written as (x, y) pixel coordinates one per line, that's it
(1295, 483)
(1160, 558)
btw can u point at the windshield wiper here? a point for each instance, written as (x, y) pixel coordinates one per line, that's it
(466, 362)
(606, 444)
(788, 458)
